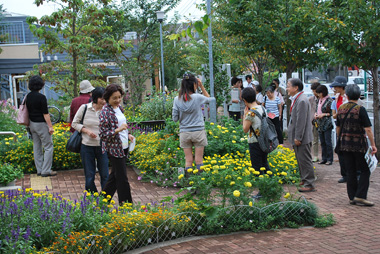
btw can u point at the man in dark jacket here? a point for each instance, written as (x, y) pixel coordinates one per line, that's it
(85, 97)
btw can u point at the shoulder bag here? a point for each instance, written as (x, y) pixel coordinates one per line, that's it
(75, 141)
(23, 114)
(338, 141)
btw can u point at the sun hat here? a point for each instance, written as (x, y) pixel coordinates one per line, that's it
(339, 81)
(85, 87)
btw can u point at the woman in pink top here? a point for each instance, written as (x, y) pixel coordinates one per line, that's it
(324, 122)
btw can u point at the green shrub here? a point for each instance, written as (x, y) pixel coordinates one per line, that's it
(8, 114)
(9, 173)
(324, 220)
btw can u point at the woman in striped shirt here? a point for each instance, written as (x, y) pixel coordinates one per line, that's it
(273, 105)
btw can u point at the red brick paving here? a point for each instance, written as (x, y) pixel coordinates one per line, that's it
(357, 229)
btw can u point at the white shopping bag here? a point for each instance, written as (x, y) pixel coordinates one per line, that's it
(132, 145)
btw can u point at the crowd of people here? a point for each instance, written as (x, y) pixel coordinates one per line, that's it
(97, 114)
(311, 123)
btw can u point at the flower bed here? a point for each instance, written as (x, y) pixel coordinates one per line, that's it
(40, 222)
(21, 153)
(158, 156)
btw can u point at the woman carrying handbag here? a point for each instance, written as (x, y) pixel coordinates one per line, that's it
(41, 127)
(91, 150)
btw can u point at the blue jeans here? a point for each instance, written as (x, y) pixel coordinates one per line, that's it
(88, 155)
(326, 145)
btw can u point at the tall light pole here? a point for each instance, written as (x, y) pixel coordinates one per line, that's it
(160, 18)
(211, 66)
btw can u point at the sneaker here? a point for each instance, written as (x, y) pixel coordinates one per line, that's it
(52, 173)
(342, 180)
(257, 196)
(363, 201)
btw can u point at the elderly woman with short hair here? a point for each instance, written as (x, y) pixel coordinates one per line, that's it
(41, 127)
(352, 126)
(91, 150)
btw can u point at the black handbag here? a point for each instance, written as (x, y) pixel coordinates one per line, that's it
(337, 146)
(75, 141)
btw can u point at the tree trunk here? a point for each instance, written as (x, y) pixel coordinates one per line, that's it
(75, 58)
(289, 71)
(75, 75)
(376, 108)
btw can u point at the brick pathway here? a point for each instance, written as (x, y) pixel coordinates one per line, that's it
(357, 229)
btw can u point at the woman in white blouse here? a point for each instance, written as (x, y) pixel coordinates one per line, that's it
(91, 148)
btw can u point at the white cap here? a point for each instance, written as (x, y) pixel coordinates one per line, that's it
(85, 87)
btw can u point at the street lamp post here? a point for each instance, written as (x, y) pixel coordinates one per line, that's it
(160, 18)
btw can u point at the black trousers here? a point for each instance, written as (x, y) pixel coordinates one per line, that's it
(234, 115)
(277, 124)
(259, 159)
(356, 188)
(118, 179)
(342, 165)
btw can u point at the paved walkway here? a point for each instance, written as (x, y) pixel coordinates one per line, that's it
(357, 229)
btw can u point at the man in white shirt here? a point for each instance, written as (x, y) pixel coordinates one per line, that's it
(249, 81)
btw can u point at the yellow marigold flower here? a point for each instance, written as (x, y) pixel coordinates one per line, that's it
(190, 170)
(236, 193)
(105, 200)
(213, 162)
(191, 182)
(269, 172)
(216, 167)
(88, 194)
(109, 197)
(211, 123)
(112, 201)
(215, 136)
(250, 203)
(261, 176)
(7, 143)
(233, 141)
(180, 176)
(232, 183)
(256, 173)
(96, 194)
(103, 192)
(287, 195)
(222, 167)
(143, 207)
(280, 181)
(195, 171)
(284, 173)
(248, 184)
(202, 179)
(262, 169)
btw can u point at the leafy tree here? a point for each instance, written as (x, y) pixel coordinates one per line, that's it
(137, 57)
(72, 29)
(355, 39)
(287, 30)
(197, 56)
